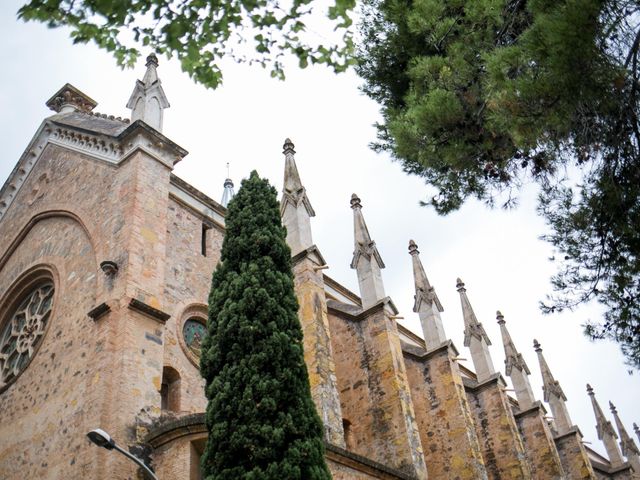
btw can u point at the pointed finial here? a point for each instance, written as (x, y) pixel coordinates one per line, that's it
(426, 303)
(537, 346)
(605, 431)
(516, 367)
(148, 100)
(475, 337)
(288, 147)
(228, 192)
(152, 60)
(366, 259)
(295, 208)
(636, 429)
(612, 407)
(413, 248)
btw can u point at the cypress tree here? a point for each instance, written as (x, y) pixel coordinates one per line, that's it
(261, 418)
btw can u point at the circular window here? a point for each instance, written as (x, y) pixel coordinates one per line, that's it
(193, 331)
(22, 332)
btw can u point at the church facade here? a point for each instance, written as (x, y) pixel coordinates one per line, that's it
(105, 266)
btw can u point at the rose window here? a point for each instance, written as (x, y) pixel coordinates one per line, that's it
(21, 334)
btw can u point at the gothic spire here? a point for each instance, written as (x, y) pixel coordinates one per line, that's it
(148, 100)
(366, 259)
(228, 192)
(606, 433)
(515, 367)
(475, 337)
(553, 394)
(295, 208)
(426, 305)
(628, 446)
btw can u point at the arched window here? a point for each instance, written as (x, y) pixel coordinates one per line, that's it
(170, 390)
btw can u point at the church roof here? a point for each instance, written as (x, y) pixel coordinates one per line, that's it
(92, 122)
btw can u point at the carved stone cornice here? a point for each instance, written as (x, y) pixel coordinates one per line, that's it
(70, 96)
(99, 146)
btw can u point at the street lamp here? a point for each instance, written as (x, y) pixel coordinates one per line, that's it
(103, 439)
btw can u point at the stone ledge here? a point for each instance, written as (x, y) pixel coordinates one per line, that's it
(99, 311)
(420, 354)
(310, 253)
(572, 431)
(476, 387)
(535, 408)
(148, 310)
(350, 459)
(357, 314)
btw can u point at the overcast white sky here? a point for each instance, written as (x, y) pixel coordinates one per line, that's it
(496, 253)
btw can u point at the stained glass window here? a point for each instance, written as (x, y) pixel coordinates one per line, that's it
(193, 332)
(22, 332)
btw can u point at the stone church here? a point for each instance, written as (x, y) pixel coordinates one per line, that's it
(105, 266)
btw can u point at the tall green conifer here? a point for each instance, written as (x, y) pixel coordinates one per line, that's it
(261, 418)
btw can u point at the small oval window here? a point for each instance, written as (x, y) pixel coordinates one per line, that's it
(193, 332)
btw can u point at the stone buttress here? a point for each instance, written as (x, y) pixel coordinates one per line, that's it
(540, 448)
(307, 265)
(567, 437)
(502, 446)
(379, 417)
(446, 424)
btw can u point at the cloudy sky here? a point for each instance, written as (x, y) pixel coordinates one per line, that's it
(497, 253)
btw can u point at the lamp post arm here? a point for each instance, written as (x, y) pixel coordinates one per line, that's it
(137, 460)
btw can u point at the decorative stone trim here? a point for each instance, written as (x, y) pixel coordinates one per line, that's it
(70, 96)
(99, 311)
(167, 431)
(94, 145)
(363, 464)
(111, 149)
(148, 310)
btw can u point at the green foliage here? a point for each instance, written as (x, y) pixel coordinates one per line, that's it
(482, 96)
(261, 418)
(200, 33)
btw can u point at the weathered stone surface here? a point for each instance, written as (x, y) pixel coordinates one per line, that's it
(446, 425)
(573, 456)
(318, 354)
(542, 455)
(500, 442)
(374, 393)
